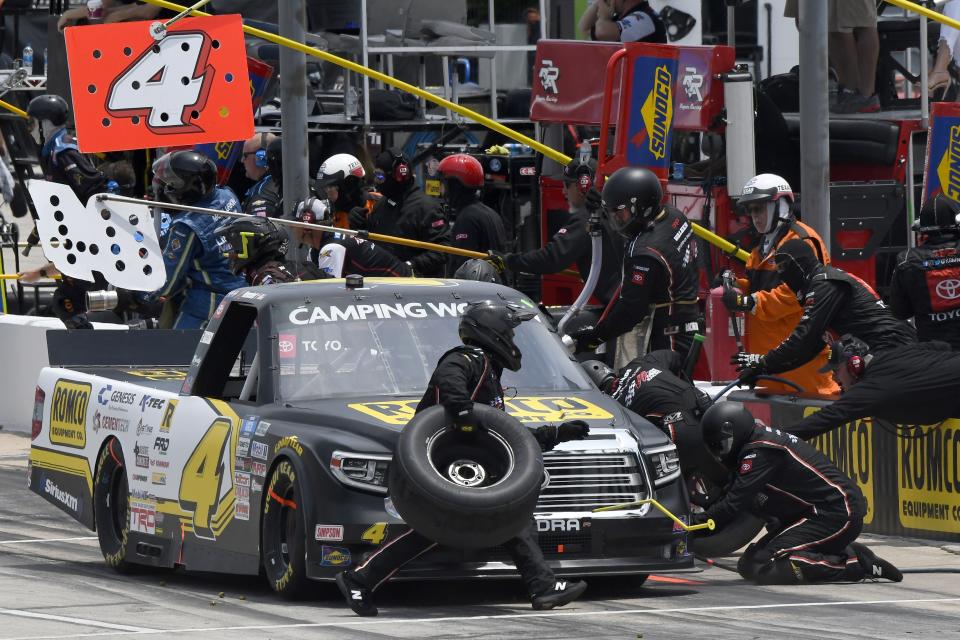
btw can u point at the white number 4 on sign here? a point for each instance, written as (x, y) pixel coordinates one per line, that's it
(168, 84)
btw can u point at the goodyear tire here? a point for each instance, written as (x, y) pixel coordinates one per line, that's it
(111, 503)
(466, 490)
(283, 533)
(724, 542)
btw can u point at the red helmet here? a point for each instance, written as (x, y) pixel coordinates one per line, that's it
(464, 168)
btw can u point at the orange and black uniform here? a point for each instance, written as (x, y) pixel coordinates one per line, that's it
(777, 310)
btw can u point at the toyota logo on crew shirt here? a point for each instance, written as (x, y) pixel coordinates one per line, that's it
(949, 289)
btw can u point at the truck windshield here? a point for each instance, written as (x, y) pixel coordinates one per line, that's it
(329, 351)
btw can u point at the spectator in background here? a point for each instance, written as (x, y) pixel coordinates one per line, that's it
(623, 21)
(115, 11)
(939, 78)
(854, 47)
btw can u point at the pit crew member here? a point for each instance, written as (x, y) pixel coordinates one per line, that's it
(659, 273)
(769, 306)
(814, 512)
(464, 375)
(926, 280)
(405, 211)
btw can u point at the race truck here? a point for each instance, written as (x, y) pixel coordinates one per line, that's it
(271, 448)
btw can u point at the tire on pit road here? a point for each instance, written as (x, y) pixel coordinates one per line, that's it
(111, 505)
(282, 531)
(466, 490)
(725, 541)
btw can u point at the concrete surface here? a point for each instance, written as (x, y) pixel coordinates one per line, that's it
(53, 584)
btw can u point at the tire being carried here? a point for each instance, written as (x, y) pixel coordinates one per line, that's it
(283, 533)
(471, 490)
(111, 505)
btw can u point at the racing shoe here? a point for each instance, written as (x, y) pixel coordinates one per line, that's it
(563, 592)
(875, 566)
(358, 596)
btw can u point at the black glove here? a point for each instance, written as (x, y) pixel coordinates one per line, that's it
(358, 217)
(699, 518)
(499, 260)
(749, 366)
(735, 300)
(720, 278)
(593, 200)
(463, 421)
(586, 338)
(572, 430)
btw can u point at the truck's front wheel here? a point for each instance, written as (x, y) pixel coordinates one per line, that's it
(112, 506)
(282, 533)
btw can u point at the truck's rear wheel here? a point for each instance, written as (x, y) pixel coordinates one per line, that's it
(111, 502)
(283, 533)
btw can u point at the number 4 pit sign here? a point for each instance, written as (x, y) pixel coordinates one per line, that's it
(131, 91)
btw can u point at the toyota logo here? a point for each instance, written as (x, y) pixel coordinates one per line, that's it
(949, 289)
(285, 346)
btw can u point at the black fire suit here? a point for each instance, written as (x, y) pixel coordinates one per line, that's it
(413, 215)
(926, 287)
(62, 162)
(572, 244)
(819, 510)
(476, 227)
(651, 386)
(344, 255)
(463, 375)
(270, 271)
(909, 384)
(660, 275)
(834, 304)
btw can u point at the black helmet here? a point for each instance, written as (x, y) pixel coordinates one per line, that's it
(602, 375)
(489, 325)
(49, 107)
(184, 177)
(726, 428)
(480, 270)
(941, 215)
(250, 241)
(636, 190)
(275, 161)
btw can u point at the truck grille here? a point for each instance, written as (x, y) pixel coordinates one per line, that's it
(587, 481)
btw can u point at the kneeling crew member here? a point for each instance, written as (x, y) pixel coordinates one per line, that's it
(814, 512)
(925, 281)
(467, 374)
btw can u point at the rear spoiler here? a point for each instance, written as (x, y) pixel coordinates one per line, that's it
(134, 348)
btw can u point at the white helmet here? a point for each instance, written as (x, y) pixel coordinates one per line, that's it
(772, 190)
(337, 168)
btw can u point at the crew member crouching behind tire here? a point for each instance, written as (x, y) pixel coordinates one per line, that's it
(814, 512)
(467, 374)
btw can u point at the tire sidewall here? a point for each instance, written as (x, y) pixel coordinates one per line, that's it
(113, 544)
(286, 575)
(457, 516)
